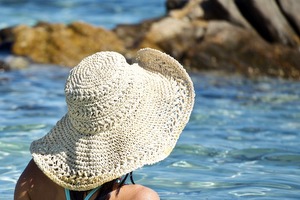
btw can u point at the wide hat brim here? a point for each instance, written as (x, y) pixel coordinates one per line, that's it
(159, 98)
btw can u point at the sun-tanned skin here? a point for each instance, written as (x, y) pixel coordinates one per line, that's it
(33, 184)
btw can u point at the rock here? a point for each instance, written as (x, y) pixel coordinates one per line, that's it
(17, 62)
(4, 66)
(228, 11)
(6, 38)
(224, 43)
(31, 42)
(191, 10)
(250, 37)
(175, 4)
(227, 48)
(167, 28)
(62, 44)
(266, 17)
(290, 9)
(173, 35)
(132, 34)
(209, 10)
(14, 63)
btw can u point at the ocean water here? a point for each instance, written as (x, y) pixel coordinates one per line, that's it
(105, 13)
(242, 141)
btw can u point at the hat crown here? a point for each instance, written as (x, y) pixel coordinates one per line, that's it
(93, 90)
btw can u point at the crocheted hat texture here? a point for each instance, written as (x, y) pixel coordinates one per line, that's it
(120, 117)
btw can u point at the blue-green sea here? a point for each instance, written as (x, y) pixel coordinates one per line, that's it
(242, 141)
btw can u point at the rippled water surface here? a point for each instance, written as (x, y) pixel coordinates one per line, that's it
(106, 13)
(243, 139)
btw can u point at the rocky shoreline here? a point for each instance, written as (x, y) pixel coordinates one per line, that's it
(249, 37)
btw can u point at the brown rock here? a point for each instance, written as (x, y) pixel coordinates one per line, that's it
(17, 62)
(6, 38)
(132, 34)
(4, 66)
(167, 28)
(233, 49)
(63, 44)
(173, 35)
(204, 34)
(214, 45)
(31, 42)
(175, 4)
(233, 14)
(210, 10)
(268, 20)
(291, 9)
(190, 10)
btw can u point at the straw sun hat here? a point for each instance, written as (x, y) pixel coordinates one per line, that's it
(120, 117)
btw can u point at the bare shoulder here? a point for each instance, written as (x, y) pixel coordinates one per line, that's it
(136, 192)
(145, 193)
(23, 184)
(34, 184)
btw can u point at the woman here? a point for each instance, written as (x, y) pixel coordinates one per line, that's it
(120, 117)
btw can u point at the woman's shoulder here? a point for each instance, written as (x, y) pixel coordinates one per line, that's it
(34, 184)
(135, 192)
(32, 176)
(26, 181)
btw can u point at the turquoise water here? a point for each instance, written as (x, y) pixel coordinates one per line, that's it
(243, 139)
(242, 142)
(106, 13)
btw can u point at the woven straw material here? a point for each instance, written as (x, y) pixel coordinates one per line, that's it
(120, 117)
